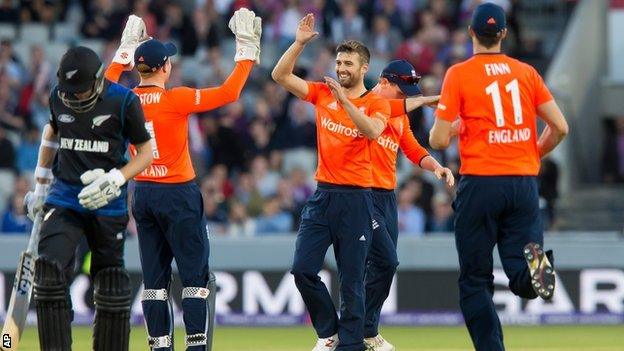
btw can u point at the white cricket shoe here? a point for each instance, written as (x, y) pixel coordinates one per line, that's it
(327, 344)
(378, 343)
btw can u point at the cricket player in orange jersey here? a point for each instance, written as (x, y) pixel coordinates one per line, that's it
(167, 203)
(348, 119)
(497, 100)
(398, 80)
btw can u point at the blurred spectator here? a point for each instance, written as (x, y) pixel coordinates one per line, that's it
(224, 146)
(28, 151)
(8, 12)
(141, 9)
(179, 27)
(548, 182)
(384, 39)
(287, 23)
(38, 11)
(419, 52)
(14, 218)
(390, 11)
(301, 190)
(613, 151)
(350, 26)
(7, 168)
(274, 220)
(411, 218)
(248, 194)
(10, 66)
(103, 20)
(240, 225)
(442, 216)
(266, 179)
(259, 138)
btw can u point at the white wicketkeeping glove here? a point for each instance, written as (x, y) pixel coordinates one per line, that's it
(101, 188)
(34, 200)
(247, 30)
(132, 35)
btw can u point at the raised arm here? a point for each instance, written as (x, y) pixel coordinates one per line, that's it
(283, 71)
(189, 100)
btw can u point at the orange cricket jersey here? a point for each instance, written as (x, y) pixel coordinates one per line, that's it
(496, 98)
(344, 156)
(166, 119)
(397, 134)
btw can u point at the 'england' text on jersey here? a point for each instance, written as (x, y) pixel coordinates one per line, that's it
(84, 145)
(506, 136)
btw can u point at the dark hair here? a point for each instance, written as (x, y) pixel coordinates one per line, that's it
(489, 41)
(354, 46)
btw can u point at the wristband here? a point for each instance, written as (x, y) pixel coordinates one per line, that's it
(118, 177)
(50, 144)
(45, 173)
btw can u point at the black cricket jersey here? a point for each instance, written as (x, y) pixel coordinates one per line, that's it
(94, 139)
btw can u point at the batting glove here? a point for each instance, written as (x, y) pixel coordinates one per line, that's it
(34, 200)
(101, 188)
(132, 35)
(247, 31)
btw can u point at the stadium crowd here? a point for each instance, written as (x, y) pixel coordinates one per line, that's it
(255, 158)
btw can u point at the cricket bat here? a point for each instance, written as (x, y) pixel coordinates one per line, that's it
(22, 290)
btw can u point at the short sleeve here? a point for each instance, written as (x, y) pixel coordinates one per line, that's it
(134, 121)
(314, 88)
(542, 94)
(380, 106)
(397, 107)
(450, 100)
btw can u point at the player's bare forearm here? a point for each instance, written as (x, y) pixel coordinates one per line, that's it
(283, 71)
(440, 134)
(549, 140)
(47, 150)
(140, 162)
(431, 164)
(556, 127)
(413, 103)
(371, 127)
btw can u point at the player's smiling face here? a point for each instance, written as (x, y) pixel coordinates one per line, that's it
(349, 69)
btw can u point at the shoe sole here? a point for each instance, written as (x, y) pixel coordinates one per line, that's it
(541, 270)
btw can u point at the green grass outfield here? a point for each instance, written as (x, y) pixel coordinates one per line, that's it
(586, 338)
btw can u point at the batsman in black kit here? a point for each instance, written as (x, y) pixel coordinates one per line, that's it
(80, 191)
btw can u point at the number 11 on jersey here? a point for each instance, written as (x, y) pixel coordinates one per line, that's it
(513, 88)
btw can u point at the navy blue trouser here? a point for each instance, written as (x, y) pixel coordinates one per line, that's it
(170, 224)
(382, 258)
(490, 211)
(341, 216)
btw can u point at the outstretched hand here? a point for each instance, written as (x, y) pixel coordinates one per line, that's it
(305, 31)
(336, 89)
(432, 101)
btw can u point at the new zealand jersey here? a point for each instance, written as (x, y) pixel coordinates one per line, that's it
(95, 139)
